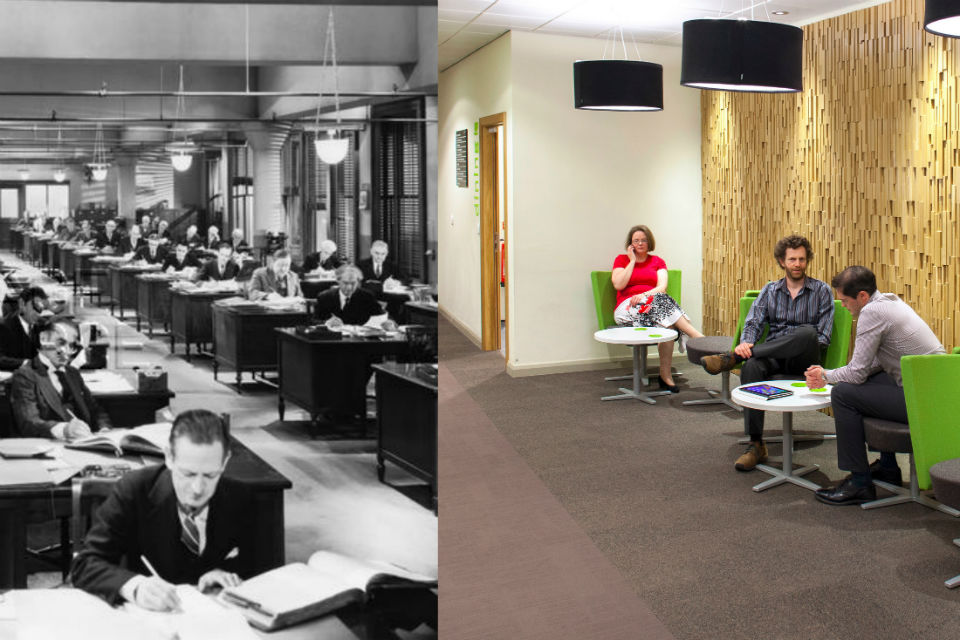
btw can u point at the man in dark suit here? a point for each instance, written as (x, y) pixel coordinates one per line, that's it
(276, 281)
(192, 239)
(347, 303)
(377, 268)
(163, 232)
(152, 252)
(17, 342)
(223, 268)
(49, 398)
(132, 242)
(109, 237)
(325, 259)
(86, 233)
(179, 259)
(190, 523)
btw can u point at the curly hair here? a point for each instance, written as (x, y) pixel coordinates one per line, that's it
(791, 242)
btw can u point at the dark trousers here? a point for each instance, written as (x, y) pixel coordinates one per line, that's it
(879, 396)
(788, 354)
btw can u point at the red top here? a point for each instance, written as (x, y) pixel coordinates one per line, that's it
(643, 278)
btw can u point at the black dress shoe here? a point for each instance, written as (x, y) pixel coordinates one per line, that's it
(847, 493)
(672, 388)
(890, 476)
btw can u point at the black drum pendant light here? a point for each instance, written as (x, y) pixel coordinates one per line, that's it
(617, 85)
(942, 17)
(742, 55)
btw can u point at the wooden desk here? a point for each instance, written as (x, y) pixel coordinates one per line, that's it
(407, 420)
(328, 374)
(123, 287)
(191, 318)
(153, 299)
(40, 251)
(312, 287)
(244, 338)
(421, 313)
(53, 253)
(267, 485)
(67, 260)
(29, 246)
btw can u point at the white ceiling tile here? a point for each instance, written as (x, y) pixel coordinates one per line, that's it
(520, 22)
(485, 29)
(456, 15)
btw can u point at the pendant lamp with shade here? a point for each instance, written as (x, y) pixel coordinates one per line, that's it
(942, 17)
(98, 168)
(613, 84)
(742, 55)
(181, 151)
(333, 148)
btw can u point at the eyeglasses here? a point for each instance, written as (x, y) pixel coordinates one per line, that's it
(644, 241)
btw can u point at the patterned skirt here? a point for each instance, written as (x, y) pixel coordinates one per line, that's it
(663, 312)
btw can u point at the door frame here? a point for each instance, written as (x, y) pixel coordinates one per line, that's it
(489, 237)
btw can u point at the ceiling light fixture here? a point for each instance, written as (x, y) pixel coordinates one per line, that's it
(24, 174)
(742, 55)
(617, 85)
(181, 152)
(98, 168)
(780, 12)
(942, 17)
(59, 174)
(333, 148)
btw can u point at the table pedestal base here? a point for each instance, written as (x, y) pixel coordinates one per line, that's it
(639, 379)
(788, 473)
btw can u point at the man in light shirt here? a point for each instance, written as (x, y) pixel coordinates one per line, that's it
(871, 384)
(49, 398)
(276, 281)
(191, 524)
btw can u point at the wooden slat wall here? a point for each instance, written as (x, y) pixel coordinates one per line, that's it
(865, 162)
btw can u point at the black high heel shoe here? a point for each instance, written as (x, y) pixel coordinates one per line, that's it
(672, 388)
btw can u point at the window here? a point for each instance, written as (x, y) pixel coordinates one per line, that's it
(51, 199)
(399, 214)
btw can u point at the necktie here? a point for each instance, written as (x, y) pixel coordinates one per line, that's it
(190, 533)
(376, 269)
(64, 388)
(282, 286)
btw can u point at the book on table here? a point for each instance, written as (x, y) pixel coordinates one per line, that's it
(148, 439)
(328, 581)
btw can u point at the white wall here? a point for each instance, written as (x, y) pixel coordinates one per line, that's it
(577, 181)
(475, 87)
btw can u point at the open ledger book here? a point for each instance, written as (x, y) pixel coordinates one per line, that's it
(297, 592)
(148, 439)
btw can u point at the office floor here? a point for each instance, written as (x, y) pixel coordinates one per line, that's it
(336, 501)
(653, 491)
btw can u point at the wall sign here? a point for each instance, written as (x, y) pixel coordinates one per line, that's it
(462, 158)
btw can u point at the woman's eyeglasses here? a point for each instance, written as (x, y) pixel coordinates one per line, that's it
(639, 242)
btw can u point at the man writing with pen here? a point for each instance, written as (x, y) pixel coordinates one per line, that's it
(181, 522)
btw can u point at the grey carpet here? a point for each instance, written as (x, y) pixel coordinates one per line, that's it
(655, 490)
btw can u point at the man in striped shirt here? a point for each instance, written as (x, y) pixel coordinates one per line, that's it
(799, 312)
(871, 384)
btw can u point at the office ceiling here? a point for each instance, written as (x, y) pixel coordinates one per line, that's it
(67, 65)
(467, 25)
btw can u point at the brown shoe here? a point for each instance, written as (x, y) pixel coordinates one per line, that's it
(754, 455)
(719, 362)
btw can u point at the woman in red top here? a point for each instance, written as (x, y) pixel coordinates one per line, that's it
(640, 279)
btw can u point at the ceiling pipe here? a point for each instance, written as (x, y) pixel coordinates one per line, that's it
(104, 93)
(277, 121)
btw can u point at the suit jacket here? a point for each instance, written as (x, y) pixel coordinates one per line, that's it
(140, 518)
(388, 270)
(126, 246)
(312, 261)
(15, 345)
(210, 271)
(143, 253)
(37, 407)
(104, 241)
(193, 242)
(239, 246)
(171, 261)
(212, 244)
(361, 305)
(264, 282)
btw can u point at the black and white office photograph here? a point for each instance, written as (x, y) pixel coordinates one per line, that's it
(218, 345)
